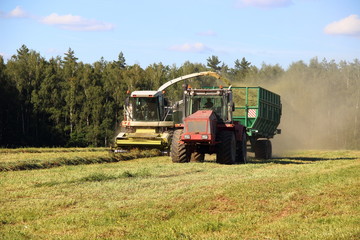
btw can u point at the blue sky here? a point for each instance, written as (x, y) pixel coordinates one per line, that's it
(172, 32)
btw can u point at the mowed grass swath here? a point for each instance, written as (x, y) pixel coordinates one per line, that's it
(40, 158)
(304, 195)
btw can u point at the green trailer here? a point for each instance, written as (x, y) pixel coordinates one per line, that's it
(259, 110)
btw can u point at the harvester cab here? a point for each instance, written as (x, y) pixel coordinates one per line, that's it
(147, 122)
(146, 106)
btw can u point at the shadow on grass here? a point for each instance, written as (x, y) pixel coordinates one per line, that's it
(99, 177)
(294, 160)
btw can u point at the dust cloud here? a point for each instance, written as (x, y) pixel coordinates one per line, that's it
(320, 108)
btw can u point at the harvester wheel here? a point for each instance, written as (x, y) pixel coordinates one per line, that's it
(179, 152)
(241, 155)
(197, 157)
(226, 149)
(263, 149)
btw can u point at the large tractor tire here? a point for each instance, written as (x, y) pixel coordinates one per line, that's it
(241, 151)
(197, 157)
(179, 152)
(263, 149)
(226, 148)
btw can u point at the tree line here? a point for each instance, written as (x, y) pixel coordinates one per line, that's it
(65, 102)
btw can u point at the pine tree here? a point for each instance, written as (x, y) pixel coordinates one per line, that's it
(27, 69)
(70, 69)
(121, 62)
(213, 63)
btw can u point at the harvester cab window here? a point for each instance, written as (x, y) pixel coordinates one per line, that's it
(146, 108)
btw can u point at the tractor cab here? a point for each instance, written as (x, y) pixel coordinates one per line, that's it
(217, 100)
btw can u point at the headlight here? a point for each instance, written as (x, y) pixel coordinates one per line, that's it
(187, 136)
(204, 136)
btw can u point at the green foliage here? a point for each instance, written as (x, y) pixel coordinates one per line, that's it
(64, 102)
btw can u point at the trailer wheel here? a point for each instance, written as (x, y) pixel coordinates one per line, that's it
(197, 157)
(179, 152)
(226, 149)
(263, 149)
(242, 150)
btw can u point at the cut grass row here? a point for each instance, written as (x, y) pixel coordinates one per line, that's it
(307, 195)
(31, 160)
(47, 150)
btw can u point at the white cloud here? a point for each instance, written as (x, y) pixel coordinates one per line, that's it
(263, 3)
(69, 22)
(188, 47)
(76, 23)
(17, 12)
(347, 26)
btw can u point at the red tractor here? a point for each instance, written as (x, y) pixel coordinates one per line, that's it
(207, 127)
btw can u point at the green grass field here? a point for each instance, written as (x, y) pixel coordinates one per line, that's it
(300, 195)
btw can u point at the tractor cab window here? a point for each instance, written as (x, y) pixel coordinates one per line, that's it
(145, 108)
(214, 103)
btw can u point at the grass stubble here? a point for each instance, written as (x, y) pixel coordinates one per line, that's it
(303, 195)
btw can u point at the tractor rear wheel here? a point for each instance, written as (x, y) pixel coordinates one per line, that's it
(263, 149)
(226, 149)
(179, 152)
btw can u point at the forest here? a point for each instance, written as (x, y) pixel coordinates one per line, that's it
(65, 102)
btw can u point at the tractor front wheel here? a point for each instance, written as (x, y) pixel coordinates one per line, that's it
(226, 148)
(179, 153)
